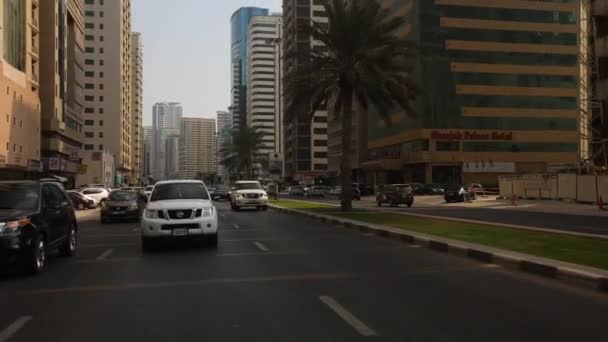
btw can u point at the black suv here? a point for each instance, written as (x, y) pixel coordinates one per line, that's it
(35, 217)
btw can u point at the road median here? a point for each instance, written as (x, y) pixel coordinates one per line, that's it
(578, 260)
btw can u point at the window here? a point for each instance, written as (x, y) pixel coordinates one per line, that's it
(101, 74)
(89, 61)
(101, 26)
(320, 119)
(101, 99)
(89, 98)
(320, 154)
(89, 50)
(320, 131)
(101, 86)
(89, 37)
(89, 110)
(321, 167)
(89, 25)
(89, 13)
(89, 2)
(320, 142)
(100, 110)
(100, 122)
(101, 50)
(101, 14)
(89, 122)
(101, 62)
(101, 147)
(89, 74)
(89, 86)
(89, 147)
(101, 134)
(101, 38)
(89, 135)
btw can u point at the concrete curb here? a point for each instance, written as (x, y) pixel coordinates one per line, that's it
(577, 275)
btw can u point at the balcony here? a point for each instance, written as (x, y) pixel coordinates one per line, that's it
(34, 24)
(35, 79)
(35, 50)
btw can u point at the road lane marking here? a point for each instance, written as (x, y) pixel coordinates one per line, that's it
(261, 246)
(81, 246)
(221, 255)
(222, 215)
(413, 246)
(135, 229)
(202, 282)
(12, 329)
(236, 226)
(348, 317)
(105, 255)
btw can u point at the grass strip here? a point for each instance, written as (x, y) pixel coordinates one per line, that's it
(573, 249)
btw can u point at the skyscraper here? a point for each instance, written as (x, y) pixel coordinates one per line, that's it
(19, 81)
(197, 148)
(224, 131)
(148, 151)
(305, 139)
(107, 112)
(137, 106)
(166, 121)
(61, 86)
(264, 100)
(239, 26)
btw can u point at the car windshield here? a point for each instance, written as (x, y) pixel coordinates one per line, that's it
(123, 196)
(19, 196)
(403, 188)
(248, 186)
(176, 191)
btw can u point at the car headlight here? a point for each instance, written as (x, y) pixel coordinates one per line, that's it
(152, 214)
(238, 196)
(11, 227)
(208, 212)
(264, 195)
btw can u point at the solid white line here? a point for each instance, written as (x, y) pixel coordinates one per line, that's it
(236, 226)
(105, 254)
(261, 246)
(348, 317)
(14, 328)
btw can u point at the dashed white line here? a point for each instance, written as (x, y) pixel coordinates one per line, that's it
(261, 246)
(105, 254)
(348, 317)
(14, 328)
(236, 226)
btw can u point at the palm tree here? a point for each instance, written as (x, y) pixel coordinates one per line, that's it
(243, 151)
(365, 62)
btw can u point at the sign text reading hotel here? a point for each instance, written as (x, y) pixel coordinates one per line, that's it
(471, 135)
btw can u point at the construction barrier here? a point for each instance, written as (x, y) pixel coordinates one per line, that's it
(579, 188)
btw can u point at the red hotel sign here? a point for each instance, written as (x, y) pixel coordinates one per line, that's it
(471, 135)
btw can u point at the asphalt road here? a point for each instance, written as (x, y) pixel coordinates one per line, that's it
(276, 277)
(567, 222)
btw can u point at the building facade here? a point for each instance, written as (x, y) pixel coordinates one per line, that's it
(224, 134)
(239, 24)
(305, 140)
(197, 148)
(500, 86)
(61, 86)
(264, 100)
(148, 137)
(107, 95)
(137, 115)
(166, 122)
(20, 129)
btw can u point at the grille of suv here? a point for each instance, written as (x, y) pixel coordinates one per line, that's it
(252, 195)
(185, 214)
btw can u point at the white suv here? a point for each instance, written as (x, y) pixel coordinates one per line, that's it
(179, 209)
(248, 194)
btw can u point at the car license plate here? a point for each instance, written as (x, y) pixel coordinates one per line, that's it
(118, 213)
(180, 232)
(252, 202)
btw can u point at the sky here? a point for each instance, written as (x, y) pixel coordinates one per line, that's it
(187, 52)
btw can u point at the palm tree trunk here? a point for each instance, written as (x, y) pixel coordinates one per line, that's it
(345, 167)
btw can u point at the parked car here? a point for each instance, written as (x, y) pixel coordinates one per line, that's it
(432, 189)
(35, 218)
(297, 190)
(395, 194)
(248, 194)
(337, 192)
(98, 194)
(122, 205)
(475, 189)
(179, 209)
(81, 202)
(317, 191)
(456, 193)
(222, 192)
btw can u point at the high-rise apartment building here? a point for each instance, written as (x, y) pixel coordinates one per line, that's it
(264, 100)
(137, 115)
(166, 122)
(148, 138)
(239, 23)
(500, 85)
(305, 140)
(224, 134)
(19, 89)
(107, 114)
(61, 85)
(197, 148)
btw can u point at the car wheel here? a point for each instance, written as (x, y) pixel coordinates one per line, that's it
(68, 248)
(36, 257)
(212, 240)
